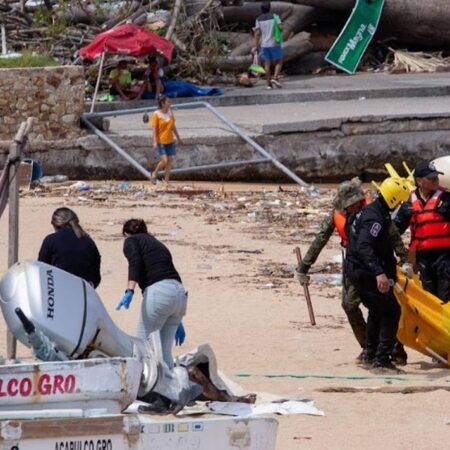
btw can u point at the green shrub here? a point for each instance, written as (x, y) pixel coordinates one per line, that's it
(28, 60)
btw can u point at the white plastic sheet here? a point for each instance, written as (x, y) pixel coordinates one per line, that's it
(283, 407)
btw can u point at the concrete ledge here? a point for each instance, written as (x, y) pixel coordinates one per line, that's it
(302, 89)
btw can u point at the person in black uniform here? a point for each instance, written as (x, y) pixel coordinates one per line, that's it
(371, 267)
(70, 248)
(164, 304)
(428, 215)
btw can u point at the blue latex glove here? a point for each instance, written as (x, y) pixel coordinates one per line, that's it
(126, 299)
(180, 335)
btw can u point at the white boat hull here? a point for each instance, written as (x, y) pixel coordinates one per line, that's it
(109, 384)
(137, 432)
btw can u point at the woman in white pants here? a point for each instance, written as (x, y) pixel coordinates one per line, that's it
(164, 298)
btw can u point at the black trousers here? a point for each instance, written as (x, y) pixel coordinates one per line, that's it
(382, 320)
(434, 267)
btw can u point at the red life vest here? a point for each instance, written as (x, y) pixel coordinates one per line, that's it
(340, 219)
(429, 229)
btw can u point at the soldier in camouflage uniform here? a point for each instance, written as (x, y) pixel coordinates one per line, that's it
(350, 198)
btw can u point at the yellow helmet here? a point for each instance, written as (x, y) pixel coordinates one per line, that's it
(394, 191)
(394, 174)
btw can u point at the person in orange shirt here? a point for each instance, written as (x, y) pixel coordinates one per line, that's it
(165, 137)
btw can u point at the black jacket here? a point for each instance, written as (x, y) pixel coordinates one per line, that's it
(370, 251)
(149, 260)
(78, 256)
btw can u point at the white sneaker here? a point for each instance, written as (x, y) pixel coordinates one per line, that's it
(276, 83)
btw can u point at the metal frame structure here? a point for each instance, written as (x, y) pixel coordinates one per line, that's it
(267, 157)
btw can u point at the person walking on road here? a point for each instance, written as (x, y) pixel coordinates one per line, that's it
(70, 248)
(164, 302)
(427, 213)
(165, 137)
(349, 200)
(371, 267)
(268, 44)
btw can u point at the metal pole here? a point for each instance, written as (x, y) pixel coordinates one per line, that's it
(256, 146)
(125, 112)
(218, 165)
(118, 149)
(222, 118)
(15, 151)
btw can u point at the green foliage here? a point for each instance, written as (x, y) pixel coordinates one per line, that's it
(28, 60)
(54, 24)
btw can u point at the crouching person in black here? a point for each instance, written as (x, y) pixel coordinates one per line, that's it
(371, 267)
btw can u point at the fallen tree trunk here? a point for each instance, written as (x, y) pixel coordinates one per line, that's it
(248, 13)
(295, 18)
(296, 47)
(415, 22)
(233, 37)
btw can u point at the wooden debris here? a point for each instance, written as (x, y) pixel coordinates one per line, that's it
(405, 61)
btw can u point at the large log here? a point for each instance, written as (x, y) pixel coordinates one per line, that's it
(248, 12)
(296, 47)
(416, 22)
(295, 18)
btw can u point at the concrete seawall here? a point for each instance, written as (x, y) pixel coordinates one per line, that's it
(367, 121)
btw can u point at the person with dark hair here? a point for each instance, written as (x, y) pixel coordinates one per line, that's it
(427, 213)
(120, 80)
(151, 79)
(165, 137)
(164, 304)
(268, 38)
(70, 248)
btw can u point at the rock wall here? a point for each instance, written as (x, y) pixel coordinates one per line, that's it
(53, 95)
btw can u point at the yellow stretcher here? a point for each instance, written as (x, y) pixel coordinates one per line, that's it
(425, 320)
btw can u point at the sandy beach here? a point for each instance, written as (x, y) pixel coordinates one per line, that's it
(233, 247)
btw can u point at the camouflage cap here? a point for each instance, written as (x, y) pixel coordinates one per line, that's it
(348, 193)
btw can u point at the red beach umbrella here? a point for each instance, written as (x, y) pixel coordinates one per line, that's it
(128, 39)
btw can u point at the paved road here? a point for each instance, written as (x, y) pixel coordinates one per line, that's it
(292, 117)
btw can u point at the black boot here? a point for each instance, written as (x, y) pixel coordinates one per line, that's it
(385, 367)
(365, 358)
(399, 356)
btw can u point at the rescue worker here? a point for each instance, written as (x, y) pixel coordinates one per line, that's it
(428, 216)
(371, 267)
(349, 200)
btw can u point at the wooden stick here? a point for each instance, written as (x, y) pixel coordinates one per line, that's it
(97, 85)
(306, 290)
(173, 22)
(4, 52)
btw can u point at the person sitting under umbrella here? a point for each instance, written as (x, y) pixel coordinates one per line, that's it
(120, 79)
(151, 79)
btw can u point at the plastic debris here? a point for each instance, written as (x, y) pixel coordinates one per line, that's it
(80, 186)
(54, 179)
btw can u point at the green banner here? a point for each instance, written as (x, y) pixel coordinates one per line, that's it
(349, 48)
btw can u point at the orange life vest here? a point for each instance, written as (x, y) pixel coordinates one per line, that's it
(340, 219)
(429, 229)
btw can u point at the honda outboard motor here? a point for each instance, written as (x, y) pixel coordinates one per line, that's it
(68, 314)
